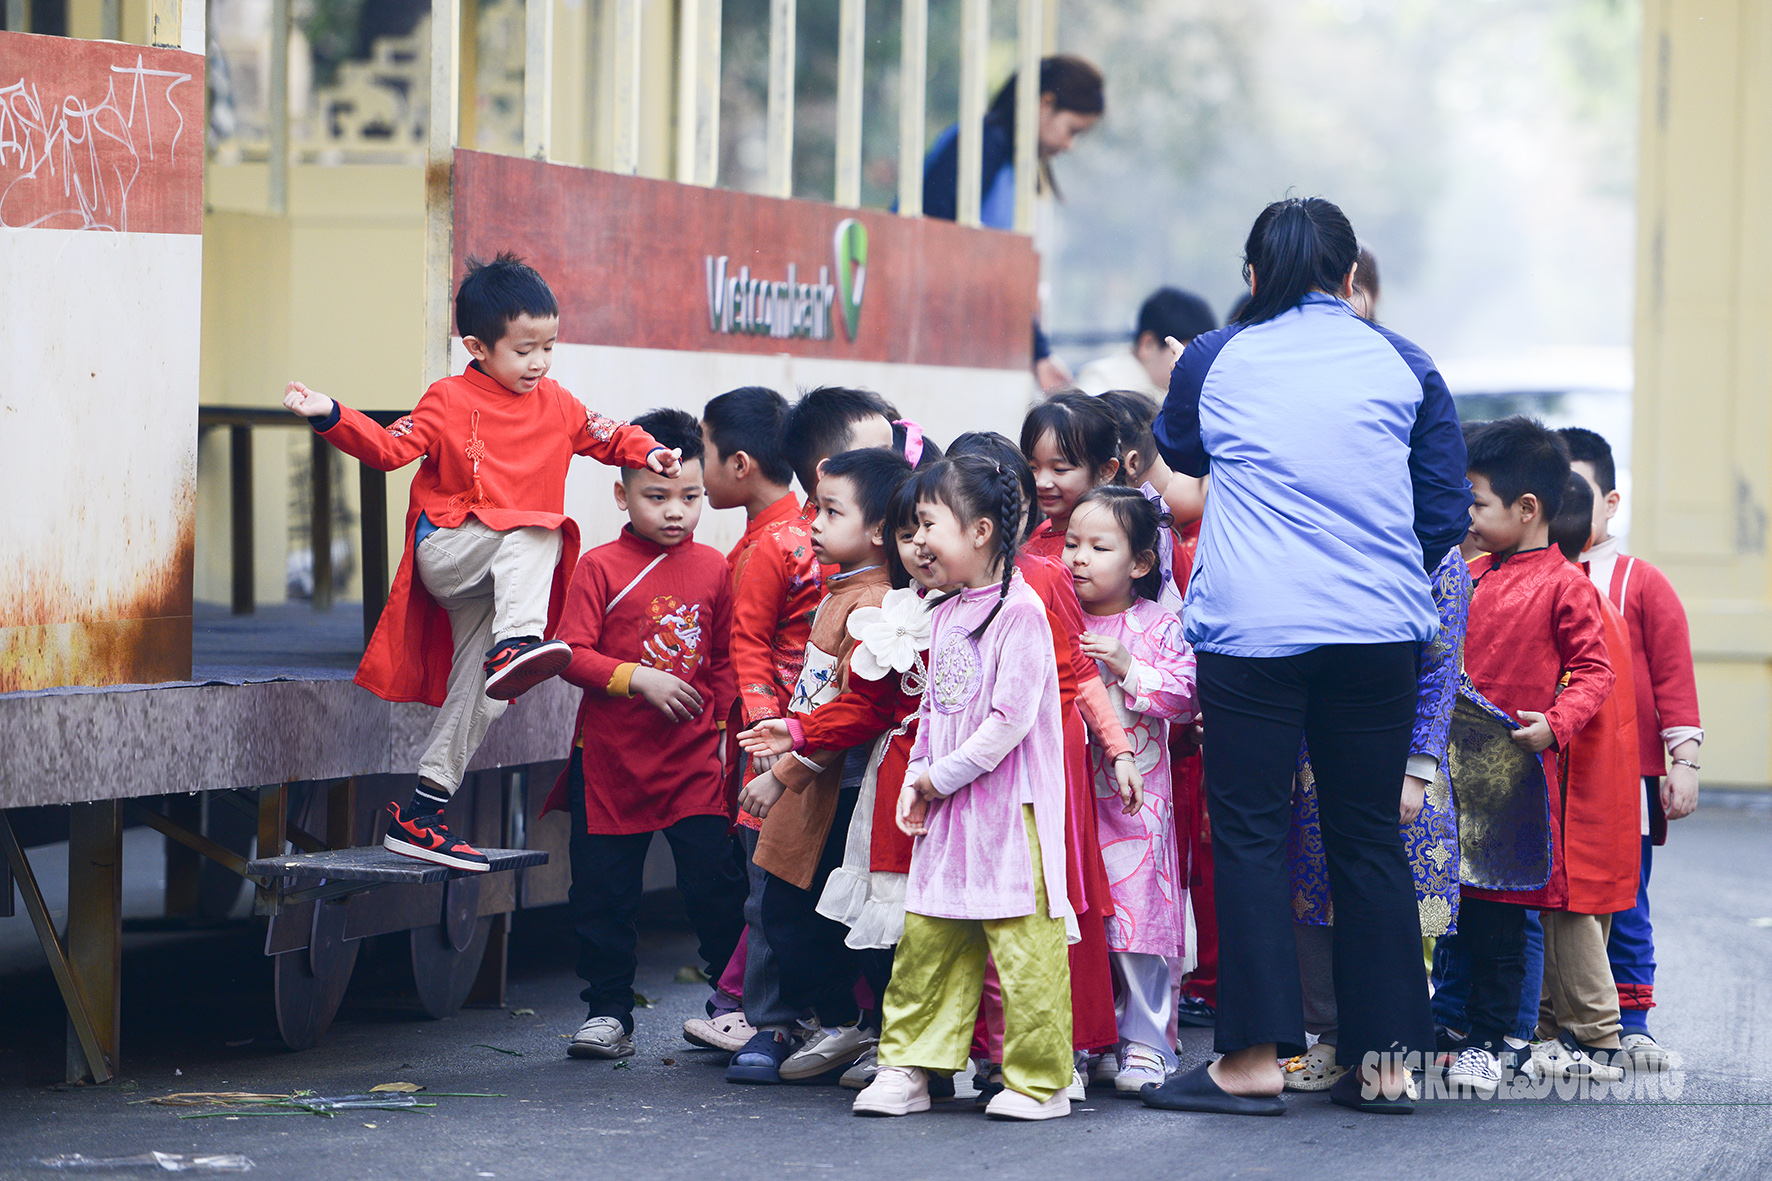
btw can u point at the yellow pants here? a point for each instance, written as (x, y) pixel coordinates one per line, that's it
(938, 976)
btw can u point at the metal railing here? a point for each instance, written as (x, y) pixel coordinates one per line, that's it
(372, 492)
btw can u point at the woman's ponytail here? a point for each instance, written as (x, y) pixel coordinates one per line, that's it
(1296, 246)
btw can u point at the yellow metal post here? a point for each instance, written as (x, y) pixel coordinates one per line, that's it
(913, 76)
(538, 79)
(440, 184)
(625, 107)
(779, 142)
(851, 34)
(1029, 41)
(277, 96)
(975, 38)
(698, 92)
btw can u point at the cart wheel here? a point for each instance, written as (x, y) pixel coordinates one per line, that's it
(446, 957)
(310, 983)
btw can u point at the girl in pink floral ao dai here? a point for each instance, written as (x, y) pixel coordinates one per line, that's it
(1110, 546)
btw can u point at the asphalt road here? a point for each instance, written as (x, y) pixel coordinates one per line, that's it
(197, 1018)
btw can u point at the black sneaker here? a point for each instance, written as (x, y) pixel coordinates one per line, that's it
(519, 664)
(1191, 1010)
(427, 838)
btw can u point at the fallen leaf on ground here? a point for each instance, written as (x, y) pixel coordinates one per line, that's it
(642, 1001)
(500, 1049)
(203, 1098)
(400, 1088)
(690, 974)
(522, 1012)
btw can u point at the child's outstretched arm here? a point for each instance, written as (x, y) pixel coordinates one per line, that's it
(360, 436)
(618, 444)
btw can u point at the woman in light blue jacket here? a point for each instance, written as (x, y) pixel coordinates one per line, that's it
(1338, 483)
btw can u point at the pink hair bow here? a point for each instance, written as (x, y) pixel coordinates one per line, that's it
(913, 440)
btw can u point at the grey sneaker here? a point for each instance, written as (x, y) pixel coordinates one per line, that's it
(1640, 1052)
(601, 1037)
(857, 1077)
(1564, 1057)
(828, 1050)
(1142, 1065)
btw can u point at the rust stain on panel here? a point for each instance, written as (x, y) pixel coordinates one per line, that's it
(121, 651)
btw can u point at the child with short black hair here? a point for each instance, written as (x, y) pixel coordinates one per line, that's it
(806, 801)
(1669, 732)
(778, 581)
(489, 547)
(1534, 620)
(646, 621)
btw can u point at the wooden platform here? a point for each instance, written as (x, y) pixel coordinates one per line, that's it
(376, 864)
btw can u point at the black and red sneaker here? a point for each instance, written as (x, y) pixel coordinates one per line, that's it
(427, 838)
(519, 664)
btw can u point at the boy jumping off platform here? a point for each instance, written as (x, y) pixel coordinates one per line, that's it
(489, 548)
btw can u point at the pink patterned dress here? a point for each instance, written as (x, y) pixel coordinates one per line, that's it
(1144, 874)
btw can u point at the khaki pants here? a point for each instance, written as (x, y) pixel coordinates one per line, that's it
(494, 586)
(1579, 992)
(931, 1005)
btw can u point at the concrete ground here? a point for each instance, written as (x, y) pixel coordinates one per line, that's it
(197, 1018)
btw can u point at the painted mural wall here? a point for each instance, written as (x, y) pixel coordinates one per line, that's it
(101, 205)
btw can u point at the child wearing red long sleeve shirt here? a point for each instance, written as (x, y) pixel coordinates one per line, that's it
(647, 621)
(1534, 620)
(1669, 732)
(489, 546)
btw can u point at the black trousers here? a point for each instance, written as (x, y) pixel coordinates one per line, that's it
(1493, 938)
(818, 970)
(606, 888)
(1355, 706)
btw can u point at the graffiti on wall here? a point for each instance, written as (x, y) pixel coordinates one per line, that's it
(114, 143)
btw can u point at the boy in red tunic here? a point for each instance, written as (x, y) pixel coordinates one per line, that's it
(647, 620)
(1533, 619)
(777, 581)
(1669, 732)
(1578, 1021)
(488, 544)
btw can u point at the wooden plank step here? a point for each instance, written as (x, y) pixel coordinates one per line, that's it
(373, 863)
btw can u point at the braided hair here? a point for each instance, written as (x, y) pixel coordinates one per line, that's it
(1000, 449)
(975, 487)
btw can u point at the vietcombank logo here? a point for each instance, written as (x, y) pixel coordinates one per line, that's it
(751, 305)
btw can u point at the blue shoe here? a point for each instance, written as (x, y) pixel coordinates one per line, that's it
(1193, 1011)
(761, 1058)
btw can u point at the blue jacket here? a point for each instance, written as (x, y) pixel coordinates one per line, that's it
(1338, 481)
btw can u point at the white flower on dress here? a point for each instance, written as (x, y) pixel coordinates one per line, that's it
(890, 637)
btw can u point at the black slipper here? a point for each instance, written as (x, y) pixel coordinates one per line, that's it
(1349, 1092)
(1195, 1091)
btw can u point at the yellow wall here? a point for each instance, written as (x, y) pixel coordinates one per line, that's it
(331, 295)
(1702, 458)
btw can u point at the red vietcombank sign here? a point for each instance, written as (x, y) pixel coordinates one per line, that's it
(643, 263)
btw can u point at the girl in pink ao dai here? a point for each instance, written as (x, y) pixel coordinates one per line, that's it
(1110, 545)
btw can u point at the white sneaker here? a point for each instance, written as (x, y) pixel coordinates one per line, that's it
(1475, 1069)
(1563, 1057)
(1139, 1065)
(863, 1072)
(601, 1037)
(728, 1031)
(896, 1090)
(1078, 1090)
(1642, 1053)
(1313, 1070)
(828, 1050)
(1012, 1104)
(1103, 1068)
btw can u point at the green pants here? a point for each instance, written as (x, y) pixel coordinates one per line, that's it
(931, 1004)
